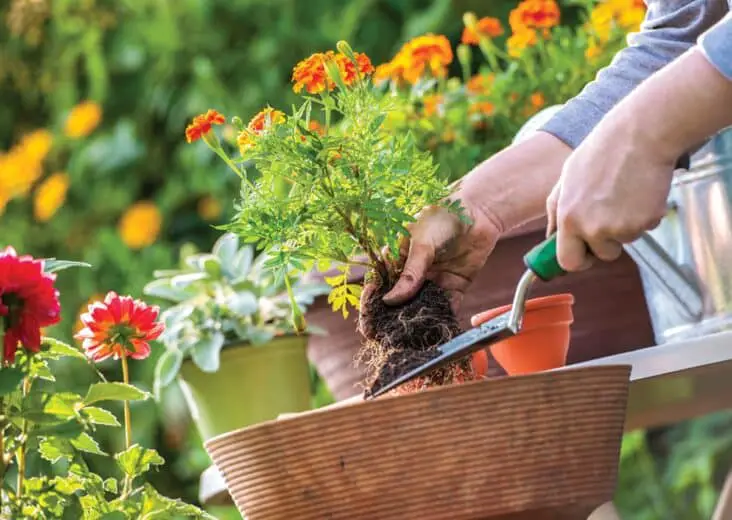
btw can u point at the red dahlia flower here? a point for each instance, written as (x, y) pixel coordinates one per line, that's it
(119, 326)
(28, 302)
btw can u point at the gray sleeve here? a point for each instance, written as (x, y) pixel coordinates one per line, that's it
(716, 44)
(670, 28)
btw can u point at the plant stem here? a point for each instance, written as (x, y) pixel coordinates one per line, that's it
(20, 454)
(3, 466)
(128, 420)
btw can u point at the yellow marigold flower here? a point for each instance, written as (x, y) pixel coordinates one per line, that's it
(50, 196)
(209, 208)
(140, 225)
(519, 41)
(486, 26)
(427, 54)
(534, 14)
(83, 119)
(34, 147)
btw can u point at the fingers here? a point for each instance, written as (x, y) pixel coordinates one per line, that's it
(419, 259)
(572, 252)
(551, 209)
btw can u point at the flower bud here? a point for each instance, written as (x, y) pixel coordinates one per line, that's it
(470, 20)
(346, 50)
(464, 55)
(237, 122)
(334, 72)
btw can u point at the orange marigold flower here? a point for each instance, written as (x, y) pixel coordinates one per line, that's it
(119, 327)
(487, 26)
(316, 127)
(485, 108)
(537, 100)
(202, 124)
(431, 104)
(480, 84)
(262, 121)
(429, 53)
(519, 41)
(534, 14)
(310, 74)
(593, 51)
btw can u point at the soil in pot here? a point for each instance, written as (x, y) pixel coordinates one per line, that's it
(400, 338)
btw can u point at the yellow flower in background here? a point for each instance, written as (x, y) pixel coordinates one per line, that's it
(209, 208)
(537, 100)
(83, 119)
(519, 41)
(593, 51)
(624, 14)
(140, 225)
(427, 54)
(50, 196)
(34, 147)
(432, 104)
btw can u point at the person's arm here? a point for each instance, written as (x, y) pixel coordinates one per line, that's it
(671, 27)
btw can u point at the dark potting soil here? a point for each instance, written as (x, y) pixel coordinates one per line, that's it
(400, 338)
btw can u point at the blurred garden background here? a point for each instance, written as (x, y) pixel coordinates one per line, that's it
(94, 166)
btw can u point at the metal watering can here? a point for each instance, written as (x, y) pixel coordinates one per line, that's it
(685, 263)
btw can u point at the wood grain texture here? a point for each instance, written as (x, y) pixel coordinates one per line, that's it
(610, 313)
(545, 445)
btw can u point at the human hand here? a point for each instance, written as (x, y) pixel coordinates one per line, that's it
(613, 188)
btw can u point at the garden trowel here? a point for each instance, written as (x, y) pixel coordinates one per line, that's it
(541, 262)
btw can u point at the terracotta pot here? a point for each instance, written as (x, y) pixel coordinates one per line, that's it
(547, 446)
(543, 341)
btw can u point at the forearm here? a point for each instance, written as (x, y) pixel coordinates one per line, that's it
(669, 30)
(678, 108)
(511, 187)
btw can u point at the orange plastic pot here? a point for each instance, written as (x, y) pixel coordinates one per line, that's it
(543, 341)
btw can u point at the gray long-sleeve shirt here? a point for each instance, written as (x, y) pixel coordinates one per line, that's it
(670, 28)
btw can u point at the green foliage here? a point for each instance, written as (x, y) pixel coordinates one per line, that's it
(59, 425)
(226, 296)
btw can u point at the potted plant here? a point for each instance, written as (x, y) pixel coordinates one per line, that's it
(229, 340)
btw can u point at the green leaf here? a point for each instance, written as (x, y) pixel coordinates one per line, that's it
(51, 265)
(10, 379)
(60, 349)
(226, 247)
(207, 352)
(137, 460)
(167, 368)
(243, 303)
(114, 515)
(158, 507)
(114, 392)
(68, 485)
(63, 404)
(111, 485)
(100, 416)
(54, 449)
(86, 443)
(68, 430)
(163, 289)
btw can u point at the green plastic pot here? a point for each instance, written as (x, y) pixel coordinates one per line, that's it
(253, 384)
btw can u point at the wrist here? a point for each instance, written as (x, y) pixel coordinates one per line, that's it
(510, 189)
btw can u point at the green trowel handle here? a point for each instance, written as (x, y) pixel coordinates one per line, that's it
(542, 260)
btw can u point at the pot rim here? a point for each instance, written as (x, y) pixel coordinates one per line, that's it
(532, 304)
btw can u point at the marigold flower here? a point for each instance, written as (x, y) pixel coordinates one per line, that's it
(537, 100)
(315, 127)
(28, 302)
(426, 54)
(534, 14)
(83, 119)
(432, 103)
(485, 108)
(487, 26)
(209, 208)
(593, 51)
(34, 147)
(202, 124)
(310, 74)
(140, 225)
(519, 41)
(480, 84)
(50, 196)
(119, 327)
(262, 121)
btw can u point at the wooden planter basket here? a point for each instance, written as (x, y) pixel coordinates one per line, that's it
(538, 446)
